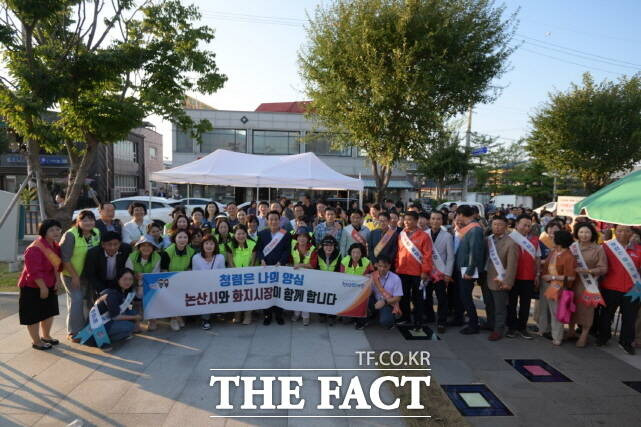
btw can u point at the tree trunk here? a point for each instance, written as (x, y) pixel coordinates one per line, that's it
(382, 175)
(78, 172)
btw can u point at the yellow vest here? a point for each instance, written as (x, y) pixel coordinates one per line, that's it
(306, 259)
(81, 246)
(359, 269)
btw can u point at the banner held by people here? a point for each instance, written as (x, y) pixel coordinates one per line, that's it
(189, 293)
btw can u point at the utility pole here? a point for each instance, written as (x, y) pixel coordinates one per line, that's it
(468, 138)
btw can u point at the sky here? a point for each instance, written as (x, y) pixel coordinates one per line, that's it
(257, 42)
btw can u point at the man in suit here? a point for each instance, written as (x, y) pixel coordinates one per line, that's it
(501, 265)
(104, 262)
(108, 220)
(273, 247)
(443, 244)
(389, 237)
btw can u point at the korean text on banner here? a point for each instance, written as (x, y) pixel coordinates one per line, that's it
(190, 293)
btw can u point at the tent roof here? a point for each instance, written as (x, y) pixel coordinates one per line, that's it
(224, 167)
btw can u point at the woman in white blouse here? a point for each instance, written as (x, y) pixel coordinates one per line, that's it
(207, 259)
(137, 227)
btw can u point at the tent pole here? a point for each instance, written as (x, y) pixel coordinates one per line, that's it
(347, 203)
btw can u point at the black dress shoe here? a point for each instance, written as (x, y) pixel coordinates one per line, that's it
(267, 321)
(280, 320)
(469, 331)
(440, 329)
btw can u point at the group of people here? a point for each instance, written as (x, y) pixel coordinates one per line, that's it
(411, 256)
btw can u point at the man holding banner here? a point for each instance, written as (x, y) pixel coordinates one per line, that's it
(413, 265)
(621, 287)
(273, 248)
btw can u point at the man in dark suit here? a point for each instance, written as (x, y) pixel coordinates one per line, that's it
(108, 220)
(273, 253)
(104, 262)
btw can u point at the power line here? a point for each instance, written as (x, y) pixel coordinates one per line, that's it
(588, 55)
(542, 44)
(569, 62)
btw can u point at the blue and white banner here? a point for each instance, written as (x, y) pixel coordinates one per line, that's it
(188, 293)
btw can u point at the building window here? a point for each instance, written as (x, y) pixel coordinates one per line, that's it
(321, 144)
(126, 183)
(276, 142)
(126, 150)
(152, 153)
(184, 143)
(226, 139)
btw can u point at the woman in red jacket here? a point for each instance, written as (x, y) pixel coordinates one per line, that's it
(39, 283)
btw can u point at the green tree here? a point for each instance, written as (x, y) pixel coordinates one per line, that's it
(102, 66)
(592, 131)
(388, 72)
(445, 162)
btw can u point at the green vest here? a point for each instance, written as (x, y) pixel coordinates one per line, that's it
(243, 256)
(296, 255)
(179, 262)
(322, 265)
(167, 227)
(358, 270)
(81, 247)
(146, 268)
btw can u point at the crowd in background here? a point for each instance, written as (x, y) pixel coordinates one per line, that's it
(576, 271)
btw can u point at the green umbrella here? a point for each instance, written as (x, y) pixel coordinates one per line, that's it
(617, 203)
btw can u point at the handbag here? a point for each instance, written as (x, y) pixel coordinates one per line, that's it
(565, 306)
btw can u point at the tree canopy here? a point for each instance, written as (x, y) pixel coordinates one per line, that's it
(102, 66)
(591, 131)
(389, 72)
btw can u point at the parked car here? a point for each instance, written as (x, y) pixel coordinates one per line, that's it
(158, 208)
(200, 202)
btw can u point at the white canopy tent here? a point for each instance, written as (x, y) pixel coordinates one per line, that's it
(223, 167)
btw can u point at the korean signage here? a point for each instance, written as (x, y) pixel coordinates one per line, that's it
(565, 205)
(189, 293)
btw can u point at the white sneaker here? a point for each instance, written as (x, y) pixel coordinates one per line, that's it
(305, 321)
(174, 325)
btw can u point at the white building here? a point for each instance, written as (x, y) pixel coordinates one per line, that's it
(275, 128)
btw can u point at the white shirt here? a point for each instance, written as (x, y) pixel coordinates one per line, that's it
(111, 265)
(199, 263)
(131, 231)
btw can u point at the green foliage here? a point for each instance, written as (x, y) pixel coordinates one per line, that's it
(446, 161)
(389, 72)
(28, 195)
(104, 66)
(592, 131)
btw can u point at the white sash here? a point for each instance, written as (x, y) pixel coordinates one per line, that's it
(494, 257)
(624, 258)
(524, 243)
(593, 296)
(437, 261)
(96, 320)
(273, 243)
(411, 247)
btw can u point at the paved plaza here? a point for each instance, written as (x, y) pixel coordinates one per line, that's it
(162, 378)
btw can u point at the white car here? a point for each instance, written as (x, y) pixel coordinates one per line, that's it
(158, 208)
(199, 202)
